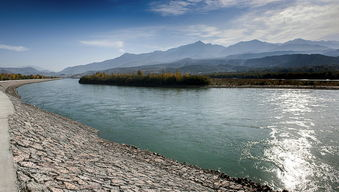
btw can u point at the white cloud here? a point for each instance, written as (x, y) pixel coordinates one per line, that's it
(13, 48)
(180, 7)
(172, 8)
(308, 19)
(104, 43)
(148, 38)
(301, 19)
(203, 31)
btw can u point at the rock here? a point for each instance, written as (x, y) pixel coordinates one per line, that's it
(71, 186)
(117, 182)
(28, 164)
(40, 178)
(53, 189)
(32, 186)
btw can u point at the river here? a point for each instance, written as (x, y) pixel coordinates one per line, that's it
(286, 138)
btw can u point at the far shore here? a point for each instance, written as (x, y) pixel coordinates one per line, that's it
(233, 85)
(275, 87)
(54, 153)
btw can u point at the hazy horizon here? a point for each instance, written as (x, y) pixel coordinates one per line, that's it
(57, 34)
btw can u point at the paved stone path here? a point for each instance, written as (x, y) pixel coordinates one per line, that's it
(53, 153)
(7, 171)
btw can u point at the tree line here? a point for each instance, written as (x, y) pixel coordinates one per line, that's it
(141, 79)
(13, 76)
(279, 75)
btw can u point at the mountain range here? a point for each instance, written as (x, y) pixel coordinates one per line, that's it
(290, 62)
(206, 57)
(199, 50)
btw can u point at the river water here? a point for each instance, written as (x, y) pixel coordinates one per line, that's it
(286, 138)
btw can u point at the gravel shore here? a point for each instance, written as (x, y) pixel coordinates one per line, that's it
(54, 153)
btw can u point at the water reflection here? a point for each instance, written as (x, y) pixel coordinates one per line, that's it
(291, 140)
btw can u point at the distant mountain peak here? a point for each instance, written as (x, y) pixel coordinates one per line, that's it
(297, 41)
(196, 43)
(127, 54)
(255, 40)
(199, 42)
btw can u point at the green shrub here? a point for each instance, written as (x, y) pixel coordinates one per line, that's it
(140, 79)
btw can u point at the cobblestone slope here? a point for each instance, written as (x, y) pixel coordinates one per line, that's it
(53, 153)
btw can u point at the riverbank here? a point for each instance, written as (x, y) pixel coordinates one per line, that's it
(53, 153)
(239, 83)
(274, 83)
(9, 87)
(275, 87)
(7, 171)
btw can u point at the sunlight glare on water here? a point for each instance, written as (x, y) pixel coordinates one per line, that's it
(291, 151)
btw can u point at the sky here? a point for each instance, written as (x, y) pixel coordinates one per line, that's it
(54, 34)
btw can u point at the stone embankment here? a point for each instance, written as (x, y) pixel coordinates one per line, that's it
(53, 153)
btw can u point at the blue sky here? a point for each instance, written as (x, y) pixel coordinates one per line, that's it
(61, 33)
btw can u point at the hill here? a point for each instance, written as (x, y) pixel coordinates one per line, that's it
(26, 71)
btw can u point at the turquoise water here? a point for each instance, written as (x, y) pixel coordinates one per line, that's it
(286, 138)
